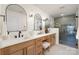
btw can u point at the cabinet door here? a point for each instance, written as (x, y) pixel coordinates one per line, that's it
(39, 46)
(31, 50)
(20, 52)
(39, 50)
(52, 39)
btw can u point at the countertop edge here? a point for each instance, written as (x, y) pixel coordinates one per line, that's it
(4, 44)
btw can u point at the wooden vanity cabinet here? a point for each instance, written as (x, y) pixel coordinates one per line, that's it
(39, 49)
(31, 47)
(30, 50)
(50, 39)
(14, 49)
(20, 52)
(46, 39)
(19, 49)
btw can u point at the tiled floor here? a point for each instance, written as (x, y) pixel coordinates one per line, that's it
(62, 50)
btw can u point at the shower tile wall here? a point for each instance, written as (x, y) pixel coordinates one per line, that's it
(65, 37)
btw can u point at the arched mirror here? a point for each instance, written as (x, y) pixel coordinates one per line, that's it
(2, 17)
(15, 18)
(47, 23)
(37, 22)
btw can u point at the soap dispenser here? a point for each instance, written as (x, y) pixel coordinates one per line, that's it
(46, 30)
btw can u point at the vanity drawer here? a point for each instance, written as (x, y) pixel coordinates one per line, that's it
(20, 52)
(45, 38)
(52, 36)
(38, 41)
(31, 42)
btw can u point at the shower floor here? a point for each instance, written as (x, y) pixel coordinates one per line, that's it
(68, 39)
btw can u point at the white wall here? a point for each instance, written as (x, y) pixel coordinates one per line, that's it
(77, 14)
(77, 35)
(30, 9)
(1, 20)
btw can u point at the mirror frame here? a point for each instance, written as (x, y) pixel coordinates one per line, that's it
(34, 21)
(3, 16)
(6, 15)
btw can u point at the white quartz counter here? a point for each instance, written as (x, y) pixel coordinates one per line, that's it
(9, 42)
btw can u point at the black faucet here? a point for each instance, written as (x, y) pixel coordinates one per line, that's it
(19, 34)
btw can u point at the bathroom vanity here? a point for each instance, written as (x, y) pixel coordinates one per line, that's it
(27, 46)
(24, 36)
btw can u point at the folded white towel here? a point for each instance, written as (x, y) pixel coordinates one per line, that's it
(46, 45)
(77, 35)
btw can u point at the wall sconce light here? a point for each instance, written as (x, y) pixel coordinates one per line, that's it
(45, 19)
(31, 15)
(3, 17)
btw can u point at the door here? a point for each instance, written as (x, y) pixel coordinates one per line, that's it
(39, 48)
(52, 39)
(31, 50)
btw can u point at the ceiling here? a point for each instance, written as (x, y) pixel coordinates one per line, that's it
(57, 10)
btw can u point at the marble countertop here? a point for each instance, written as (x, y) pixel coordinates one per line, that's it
(9, 42)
